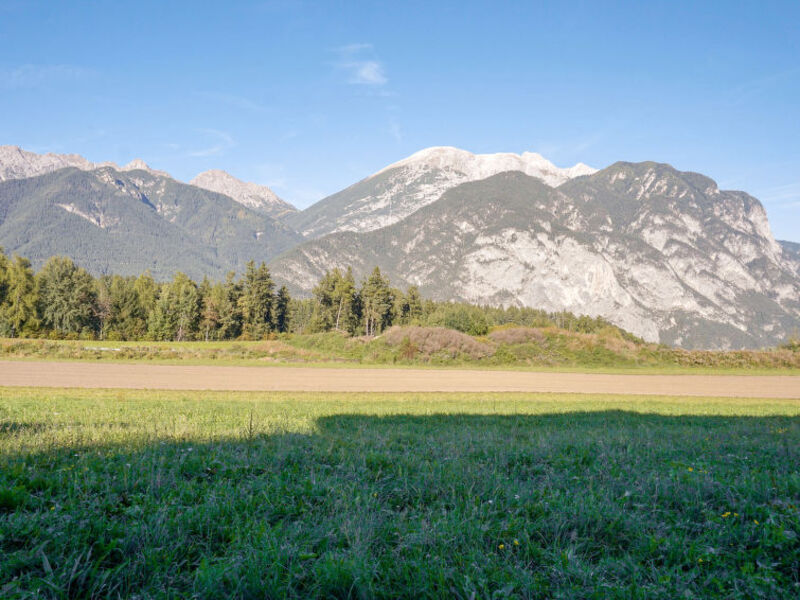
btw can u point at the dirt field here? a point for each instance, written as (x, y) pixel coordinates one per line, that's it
(137, 376)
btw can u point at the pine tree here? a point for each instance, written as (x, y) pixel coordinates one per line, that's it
(4, 266)
(18, 312)
(256, 301)
(280, 313)
(230, 314)
(176, 311)
(377, 300)
(336, 302)
(67, 297)
(412, 306)
(128, 318)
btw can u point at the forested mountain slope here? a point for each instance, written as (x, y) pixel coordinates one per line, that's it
(125, 222)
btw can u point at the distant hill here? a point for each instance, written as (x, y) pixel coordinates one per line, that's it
(659, 252)
(125, 222)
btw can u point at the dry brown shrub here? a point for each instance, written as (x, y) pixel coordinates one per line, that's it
(516, 335)
(438, 340)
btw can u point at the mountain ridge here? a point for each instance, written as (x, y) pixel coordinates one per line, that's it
(400, 189)
(110, 221)
(627, 243)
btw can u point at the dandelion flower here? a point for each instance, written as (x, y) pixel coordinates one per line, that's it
(691, 469)
(501, 546)
(700, 560)
(725, 515)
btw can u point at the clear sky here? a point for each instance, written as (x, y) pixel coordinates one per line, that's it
(309, 97)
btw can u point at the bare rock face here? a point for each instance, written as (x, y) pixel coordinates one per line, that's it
(252, 195)
(661, 253)
(404, 187)
(16, 163)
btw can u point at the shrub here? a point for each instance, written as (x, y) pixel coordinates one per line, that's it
(516, 335)
(432, 341)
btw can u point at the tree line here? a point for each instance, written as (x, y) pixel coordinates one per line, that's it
(63, 300)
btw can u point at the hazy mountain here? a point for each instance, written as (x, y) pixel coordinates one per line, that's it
(16, 163)
(252, 195)
(400, 189)
(111, 221)
(662, 253)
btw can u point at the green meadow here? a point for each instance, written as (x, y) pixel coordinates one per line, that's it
(128, 494)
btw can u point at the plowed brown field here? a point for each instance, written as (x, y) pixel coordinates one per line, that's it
(144, 376)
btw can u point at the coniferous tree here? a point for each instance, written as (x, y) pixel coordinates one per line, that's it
(377, 301)
(230, 314)
(280, 313)
(256, 301)
(128, 318)
(411, 307)
(3, 276)
(219, 319)
(67, 296)
(336, 302)
(176, 311)
(18, 312)
(147, 291)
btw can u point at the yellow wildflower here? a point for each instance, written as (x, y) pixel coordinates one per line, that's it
(516, 542)
(755, 521)
(501, 546)
(691, 469)
(725, 515)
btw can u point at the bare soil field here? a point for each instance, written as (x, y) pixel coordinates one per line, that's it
(301, 379)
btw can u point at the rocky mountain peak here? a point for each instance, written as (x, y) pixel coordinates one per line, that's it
(253, 195)
(402, 188)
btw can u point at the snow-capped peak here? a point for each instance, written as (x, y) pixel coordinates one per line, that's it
(480, 166)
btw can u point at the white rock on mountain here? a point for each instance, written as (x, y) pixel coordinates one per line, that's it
(16, 163)
(402, 188)
(252, 195)
(662, 253)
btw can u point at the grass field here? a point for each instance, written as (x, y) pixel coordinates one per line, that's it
(108, 494)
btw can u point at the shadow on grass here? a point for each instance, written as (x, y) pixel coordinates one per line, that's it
(605, 504)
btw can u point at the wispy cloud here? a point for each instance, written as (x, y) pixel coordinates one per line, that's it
(781, 192)
(360, 65)
(755, 87)
(395, 130)
(235, 101)
(222, 141)
(33, 76)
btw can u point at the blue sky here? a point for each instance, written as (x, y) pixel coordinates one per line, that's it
(310, 97)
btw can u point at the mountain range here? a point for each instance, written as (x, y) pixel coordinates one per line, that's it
(663, 253)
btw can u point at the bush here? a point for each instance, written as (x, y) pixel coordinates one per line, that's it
(516, 335)
(432, 341)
